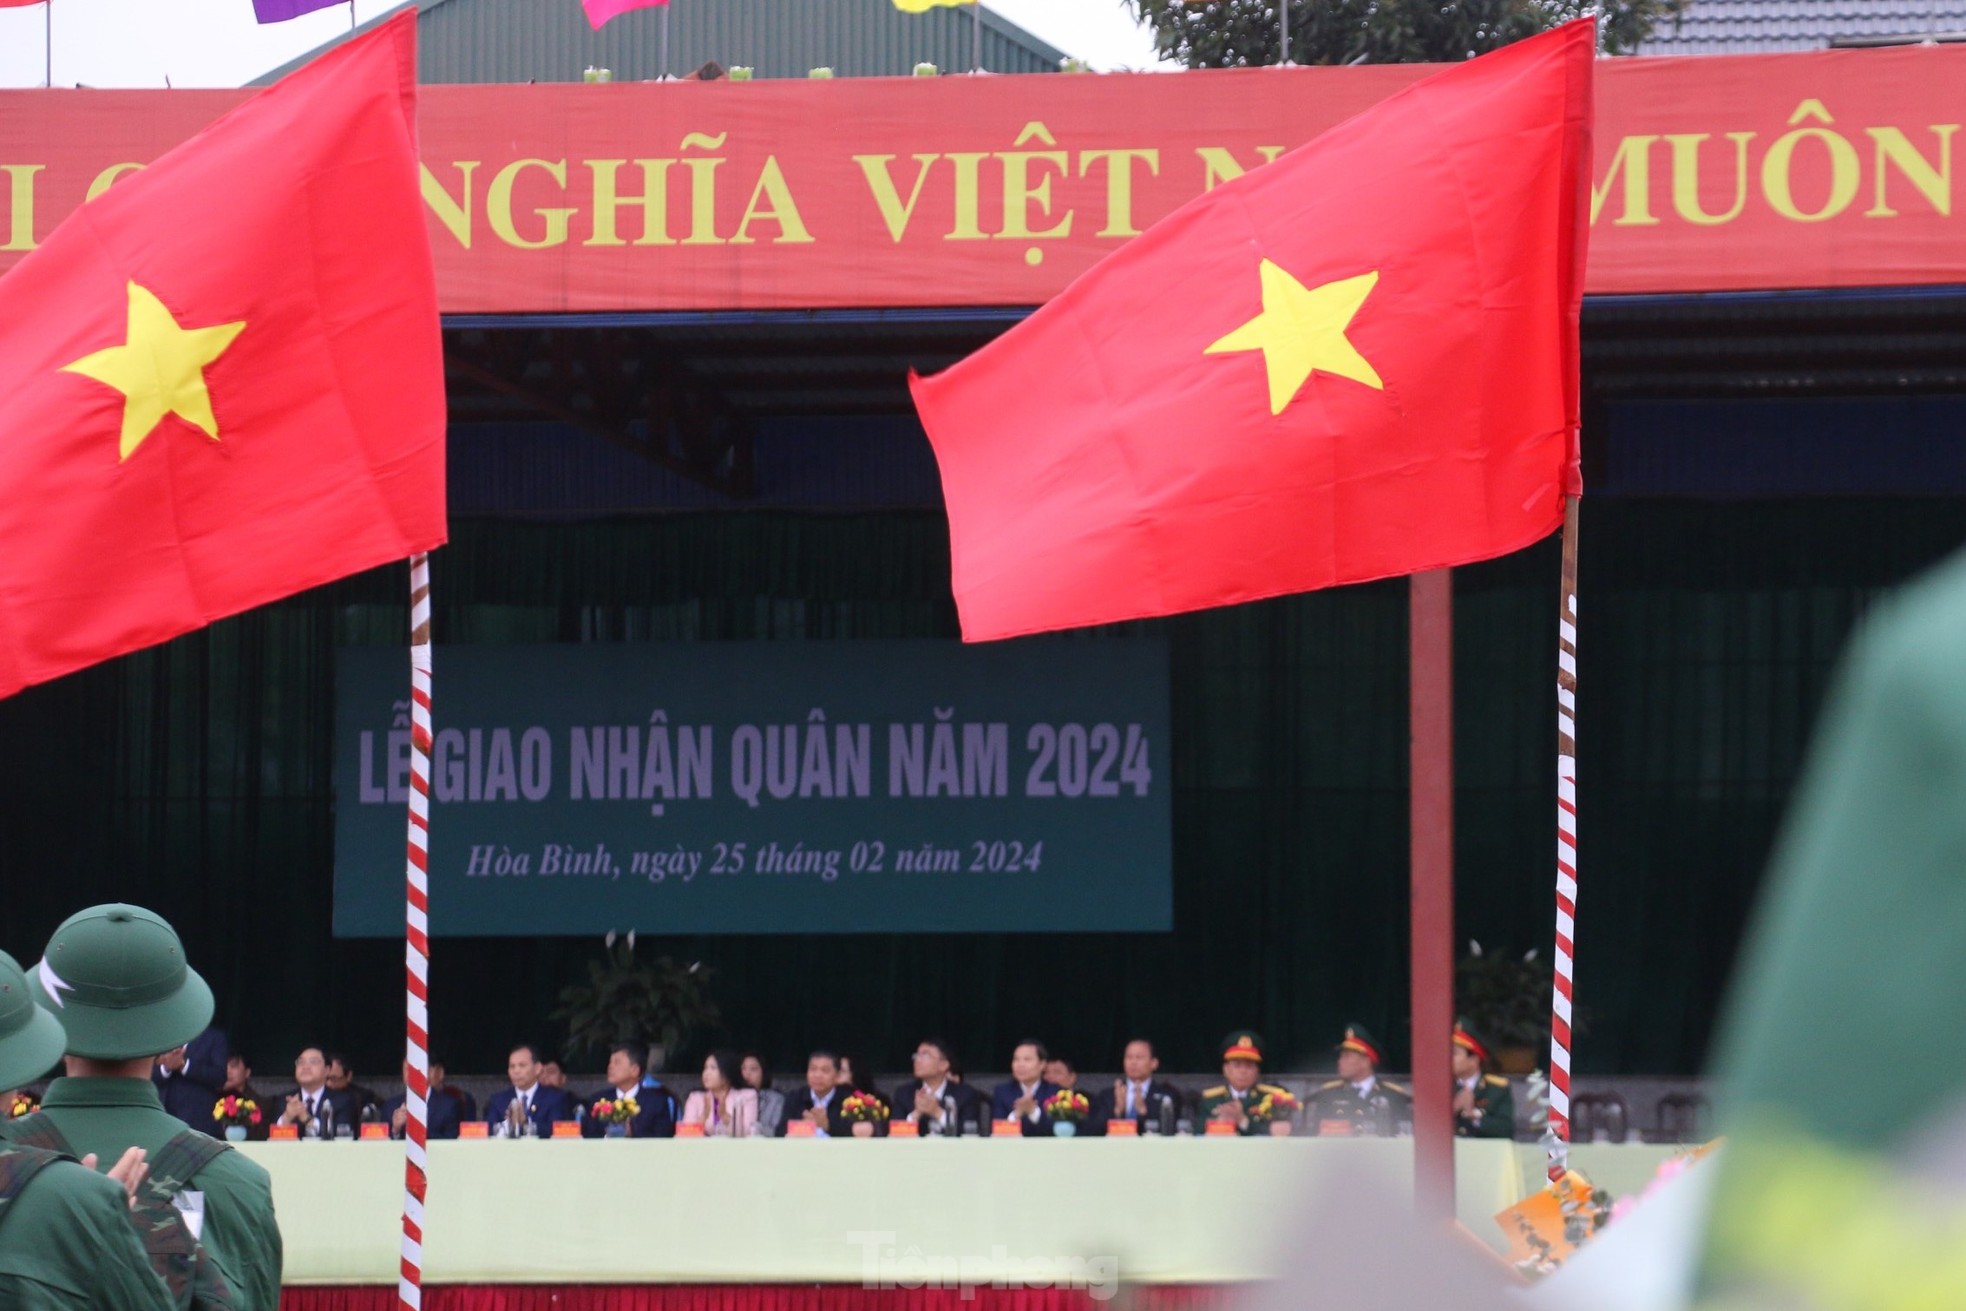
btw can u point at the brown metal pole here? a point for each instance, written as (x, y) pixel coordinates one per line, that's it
(1431, 636)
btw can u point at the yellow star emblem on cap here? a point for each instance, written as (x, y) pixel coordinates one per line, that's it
(1301, 331)
(159, 368)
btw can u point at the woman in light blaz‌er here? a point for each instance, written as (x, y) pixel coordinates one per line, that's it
(723, 1106)
(771, 1102)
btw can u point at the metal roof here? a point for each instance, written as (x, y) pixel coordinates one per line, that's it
(1747, 27)
(550, 40)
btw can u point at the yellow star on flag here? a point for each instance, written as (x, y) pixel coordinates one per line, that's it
(159, 368)
(1302, 330)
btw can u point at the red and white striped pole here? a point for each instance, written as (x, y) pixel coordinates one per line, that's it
(416, 939)
(1563, 992)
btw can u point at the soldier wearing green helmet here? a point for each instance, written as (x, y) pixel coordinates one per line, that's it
(67, 1242)
(117, 979)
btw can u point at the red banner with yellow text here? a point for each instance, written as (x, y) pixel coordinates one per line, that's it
(1829, 169)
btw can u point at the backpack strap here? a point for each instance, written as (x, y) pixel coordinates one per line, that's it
(38, 1130)
(18, 1166)
(179, 1259)
(173, 1165)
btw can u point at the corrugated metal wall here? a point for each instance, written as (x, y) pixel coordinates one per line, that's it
(550, 41)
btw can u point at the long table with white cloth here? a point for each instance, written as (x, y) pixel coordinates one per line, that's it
(710, 1211)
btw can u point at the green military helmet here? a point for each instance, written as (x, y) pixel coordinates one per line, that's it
(31, 1040)
(116, 978)
(1359, 1039)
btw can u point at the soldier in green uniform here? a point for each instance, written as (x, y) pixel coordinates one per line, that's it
(1358, 1102)
(1242, 1068)
(1483, 1105)
(116, 978)
(67, 1242)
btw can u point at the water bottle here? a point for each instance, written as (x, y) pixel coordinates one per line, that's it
(951, 1126)
(1166, 1117)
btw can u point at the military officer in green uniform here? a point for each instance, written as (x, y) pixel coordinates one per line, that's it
(1483, 1105)
(1242, 1069)
(67, 1242)
(116, 978)
(1358, 1102)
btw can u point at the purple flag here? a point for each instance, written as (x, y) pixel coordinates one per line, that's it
(600, 11)
(279, 11)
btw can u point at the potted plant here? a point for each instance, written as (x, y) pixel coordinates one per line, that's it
(237, 1115)
(1065, 1109)
(627, 1000)
(864, 1112)
(616, 1113)
(1275, 1110)
(1506, 998)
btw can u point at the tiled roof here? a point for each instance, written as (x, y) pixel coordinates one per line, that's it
(1742, 27)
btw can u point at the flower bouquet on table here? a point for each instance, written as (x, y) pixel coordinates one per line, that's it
(1065, 1109)
(238, 1115)
(863, 1111)
(616, 1113)
(1276, 1110)
(22, 1103)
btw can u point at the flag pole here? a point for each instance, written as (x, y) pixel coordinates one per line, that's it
(1283, 18)
(351, 14)
(662, 54)
(1430, 637)
(416, 936)
(1563, 990)
(976, 36)
(48, 44)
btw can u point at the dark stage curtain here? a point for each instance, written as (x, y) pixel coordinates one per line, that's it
(196, 779)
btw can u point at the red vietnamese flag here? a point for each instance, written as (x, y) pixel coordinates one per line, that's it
(223, 378)
(1356, 362)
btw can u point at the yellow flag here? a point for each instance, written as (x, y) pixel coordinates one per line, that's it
(923, 6)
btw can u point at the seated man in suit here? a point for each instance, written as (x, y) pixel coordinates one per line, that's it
(310, 1105)
(1064, 1071)
(654, 1116)
(818, 1103)
(442, 1115)
(1484, 1105)
(1230, 1100)
(1138, 1096)
(1358, 1102)
(239, 1083)
(932, 1101)
(341, 1078)
(1022, 1096)
(528, 1105)
(467, 1105)
(189, 1079)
